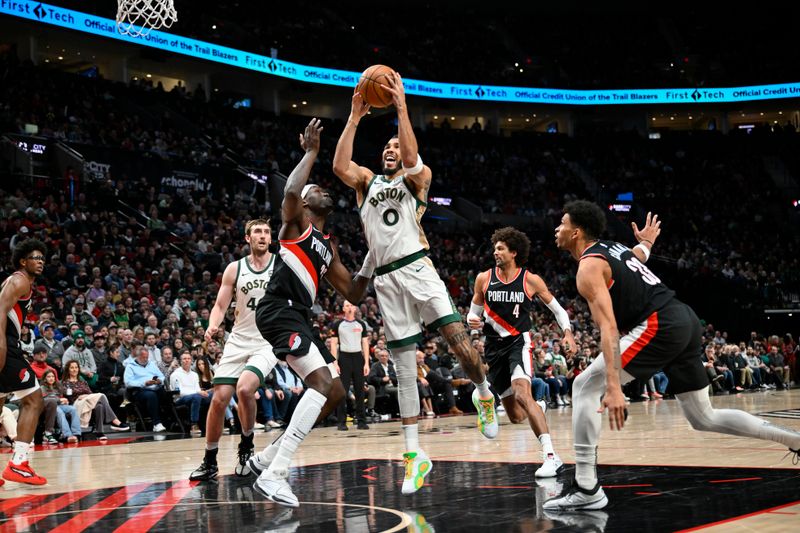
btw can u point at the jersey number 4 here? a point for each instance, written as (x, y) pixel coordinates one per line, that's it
(647, 275)
(515, 312)
(252, 304)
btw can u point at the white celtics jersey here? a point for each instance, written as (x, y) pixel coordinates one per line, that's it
(250, 288)
(391, 216)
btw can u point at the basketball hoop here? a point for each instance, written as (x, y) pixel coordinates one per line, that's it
(137, 17)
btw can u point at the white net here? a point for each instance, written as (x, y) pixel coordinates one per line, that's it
(137, 17)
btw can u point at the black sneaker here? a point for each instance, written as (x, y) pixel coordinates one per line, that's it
(342, 427)
(362, 425)
(205, 472)
(244, 454)
(120, 426)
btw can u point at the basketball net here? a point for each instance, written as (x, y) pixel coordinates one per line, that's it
(137, 17)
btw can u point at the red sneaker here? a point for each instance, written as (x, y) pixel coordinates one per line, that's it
(22, 473)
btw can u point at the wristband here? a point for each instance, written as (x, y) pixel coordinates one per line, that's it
(476, 309)
(416, 169)
(367, 268)
(645, 250)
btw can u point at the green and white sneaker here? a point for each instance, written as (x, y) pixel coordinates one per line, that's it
(487, 416)
(417, 466)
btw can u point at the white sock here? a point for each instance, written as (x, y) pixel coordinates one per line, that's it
(303, 419)
(483, 389)
(269, 452)
(547, 444)
(247, 433)
(586, 466)
(20, 452)
(411, 434)
(212, 445)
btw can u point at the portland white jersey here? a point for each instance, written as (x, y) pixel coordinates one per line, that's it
(250, 288)
(391, 216)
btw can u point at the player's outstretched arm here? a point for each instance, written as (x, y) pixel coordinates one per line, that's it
(223, 301)
(646, 237)
(353, 288)
(292, 206)
(351, 174)
(592, 286)
(418, 173)
(15, 288)
(535, 285)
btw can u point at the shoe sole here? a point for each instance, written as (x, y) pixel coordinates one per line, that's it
(430, 469)
(254, 467)
(258, 489)
(119, 429)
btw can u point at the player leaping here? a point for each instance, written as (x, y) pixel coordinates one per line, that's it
(283, 314)
(408, 286)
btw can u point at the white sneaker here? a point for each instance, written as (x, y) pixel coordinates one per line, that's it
(273, 486)
(258, 425)
(258, 464)
(560, 401)
(551, 466)
(273, 424)
(578, 499)
(543, 405)
(417, 466)
(159, 428)
(487, 417)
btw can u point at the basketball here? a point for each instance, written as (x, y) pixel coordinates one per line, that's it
(369, 85)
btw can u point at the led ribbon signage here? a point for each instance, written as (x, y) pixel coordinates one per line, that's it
(75, 20)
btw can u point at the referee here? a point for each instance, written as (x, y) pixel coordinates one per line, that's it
(350, 346)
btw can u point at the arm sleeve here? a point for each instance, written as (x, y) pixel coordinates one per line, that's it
(561, 315)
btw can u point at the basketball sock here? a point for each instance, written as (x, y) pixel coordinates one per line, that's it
(703, 417)
(211, 455)
(248, 439)
(268, 454)
(586, 466)
(547, 444)
(305, 414)
(483, 389)
(212, 445)
(411, 434)
(248, 433)
(20, 452)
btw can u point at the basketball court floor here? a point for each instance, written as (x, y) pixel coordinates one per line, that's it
(659, 475)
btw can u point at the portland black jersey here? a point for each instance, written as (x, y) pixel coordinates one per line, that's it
(300, 267)
(16, 315)
(635, 291)
(507, 306)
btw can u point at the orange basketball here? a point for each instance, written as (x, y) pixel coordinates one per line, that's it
(369, 85)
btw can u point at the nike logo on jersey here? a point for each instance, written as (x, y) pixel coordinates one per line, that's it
(243, 274)
(420, 268)
(493, 283)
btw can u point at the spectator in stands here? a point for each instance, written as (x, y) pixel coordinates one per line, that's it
(187, 383)
(778, 367)
(437, 383)
(383, 377)
(83, 355)
(100, 347)
(110, 382)
(82, 316)
(145, 384)
(52, 346)
(90, 406)
(58, 408)
(39, 364)
(292, 387)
